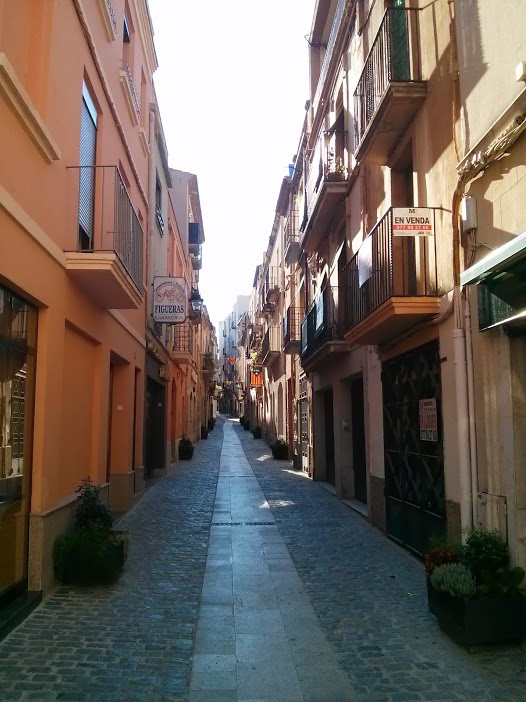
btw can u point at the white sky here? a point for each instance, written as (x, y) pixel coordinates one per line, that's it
(232, 86)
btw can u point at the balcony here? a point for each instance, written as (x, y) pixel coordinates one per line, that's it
(208, 366)
(322, 330)
(271, 346)
(196, 258)
(195, 238)
(390, 89)
(292, 239)
(292, 329)
(391, 284)
(108, 261)
(326, 190)
(182, 348)
(270, 292)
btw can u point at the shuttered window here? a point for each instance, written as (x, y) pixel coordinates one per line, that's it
(88, 142)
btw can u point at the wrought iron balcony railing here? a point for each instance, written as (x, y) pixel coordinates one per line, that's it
(328, 52)
(109, 220)
(323, 322)
(183, 339)
(271, 343)
(291, 234)
(292, 325)
(388, 266)
(393, 58)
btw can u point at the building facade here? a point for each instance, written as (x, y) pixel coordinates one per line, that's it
(90, 214)
(489, 196)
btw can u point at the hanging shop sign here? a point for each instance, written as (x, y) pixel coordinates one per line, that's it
(427, 410)
(169, 300)
(412, 221)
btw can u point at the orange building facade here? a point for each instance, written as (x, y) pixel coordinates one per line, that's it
(77, 211)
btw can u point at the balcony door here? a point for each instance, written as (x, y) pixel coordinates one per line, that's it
(400, 61)
(88, 144)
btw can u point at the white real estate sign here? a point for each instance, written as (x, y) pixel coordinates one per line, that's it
(428, 419)
(169, 300)
(412, 221)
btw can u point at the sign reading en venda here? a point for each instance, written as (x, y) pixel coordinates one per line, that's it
(412, 221)
(169, 300)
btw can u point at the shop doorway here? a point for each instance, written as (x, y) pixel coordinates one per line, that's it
(18, 322)
(358, 441)
(155, 427)
(330, 473)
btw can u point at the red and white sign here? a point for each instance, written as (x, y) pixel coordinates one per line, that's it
(412, 221)
(169, 300)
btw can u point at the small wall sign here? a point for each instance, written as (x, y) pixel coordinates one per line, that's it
(428, 419)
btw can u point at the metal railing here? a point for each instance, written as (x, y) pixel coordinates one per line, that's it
(324, 321)
(208, 363)
(131, 88)
(114, 223)
(388, 266)
(292, 324)
(328, 53)
(291, 228)
(271, 342)
(328, 165)
(183, 338)
(394, 57)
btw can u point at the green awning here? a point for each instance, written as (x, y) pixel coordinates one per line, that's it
(497, 261)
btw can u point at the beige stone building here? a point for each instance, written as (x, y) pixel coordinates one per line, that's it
(490, 196)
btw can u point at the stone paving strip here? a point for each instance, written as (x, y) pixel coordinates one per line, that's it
(133, 641)
(370, 597)
(247, 582)
(258, 638)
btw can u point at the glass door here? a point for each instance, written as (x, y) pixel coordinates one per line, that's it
(17, 374)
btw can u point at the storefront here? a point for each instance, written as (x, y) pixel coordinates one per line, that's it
(18, 330)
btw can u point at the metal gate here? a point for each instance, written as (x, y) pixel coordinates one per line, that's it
(414, 461)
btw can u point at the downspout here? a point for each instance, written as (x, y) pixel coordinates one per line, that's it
(471, 414)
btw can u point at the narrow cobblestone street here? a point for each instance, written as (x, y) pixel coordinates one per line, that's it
(248, 582)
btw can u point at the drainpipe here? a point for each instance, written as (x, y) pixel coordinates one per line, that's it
(471, 415)
(461, 387)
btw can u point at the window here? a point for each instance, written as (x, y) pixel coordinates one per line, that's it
(88, 143)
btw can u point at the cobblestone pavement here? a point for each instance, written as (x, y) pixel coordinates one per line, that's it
(135, 641)
(132, 641)
(370, 597)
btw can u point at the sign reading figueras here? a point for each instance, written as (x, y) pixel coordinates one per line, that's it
(428, 419)
(169, 300)
(412, 221)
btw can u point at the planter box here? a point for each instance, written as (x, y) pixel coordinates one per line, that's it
(185, 454)
(482, 621)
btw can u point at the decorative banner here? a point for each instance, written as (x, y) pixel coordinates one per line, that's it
(412, 221)
(231, 359)
(169, 300)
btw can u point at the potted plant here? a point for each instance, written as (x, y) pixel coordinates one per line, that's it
(473, 592)
(186, 449)
(256, 432)
(211, 423)
(93, 553)
(204, 432)
(280, 449)
(246, 425)
(242, 420)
